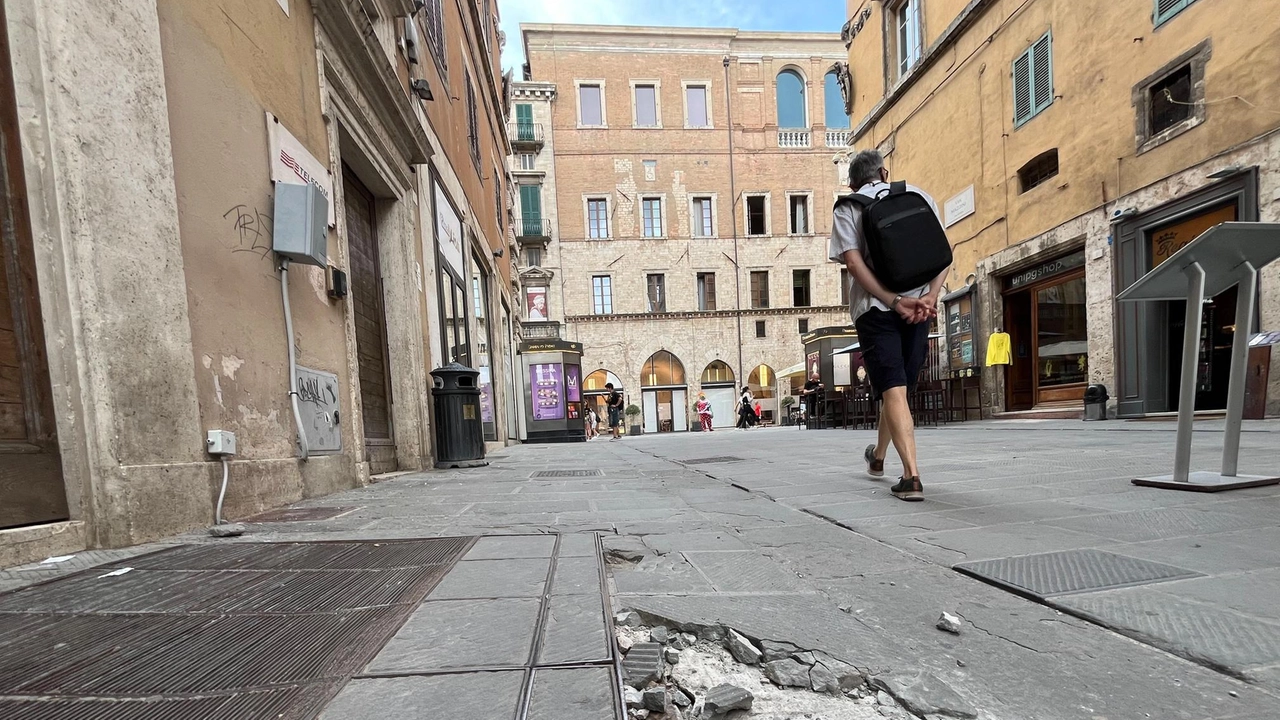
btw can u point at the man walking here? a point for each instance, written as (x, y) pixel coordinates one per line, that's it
(893, 327)
(614, 405)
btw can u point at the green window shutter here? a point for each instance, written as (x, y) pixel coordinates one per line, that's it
(524, 122)
(1042, 73)
(531, 210)
(1166, 9)
(1022, 100)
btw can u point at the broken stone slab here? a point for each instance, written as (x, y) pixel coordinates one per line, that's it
(632, 697)
(625, 642)
(742, 649)
(722, 699)
(822, 680)
(671, 655)
(949, 623)
(924, 694)
(655, 699)
(624, 550)
(774, 650)
(640, 714)
(660, 634)
(628, 618)
(787, 673)
(806, 658)
(643, 664)
(684, 641)
(848, 677)
(680, 698)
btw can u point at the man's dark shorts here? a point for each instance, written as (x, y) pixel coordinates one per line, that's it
(615, 417)
(893, 350)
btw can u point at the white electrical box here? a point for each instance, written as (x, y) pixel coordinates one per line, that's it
(221, 442)
(301, 224)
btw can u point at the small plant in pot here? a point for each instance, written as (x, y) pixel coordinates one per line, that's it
(633, 424)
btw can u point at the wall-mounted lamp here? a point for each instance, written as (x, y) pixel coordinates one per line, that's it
(1226, 172)
(422, 89)
(499, 252)
(1124, 214)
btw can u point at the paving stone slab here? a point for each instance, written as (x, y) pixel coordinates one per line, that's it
(512, 547)
(572, 694)
(742, 572)
(1162, 523)
(1071, 571)
(494, 579)
(576, 576)
(1204, 633)
(461, 633)
(575, 630)
(720, 540)
(468, 696)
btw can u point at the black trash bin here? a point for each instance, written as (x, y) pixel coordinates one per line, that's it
(459, 433)
(1095, 402)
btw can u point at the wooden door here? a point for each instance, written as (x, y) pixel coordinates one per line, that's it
(31, 486)
(371, 324)
(1020, 377)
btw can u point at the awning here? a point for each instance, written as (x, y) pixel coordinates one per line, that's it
(793, 371)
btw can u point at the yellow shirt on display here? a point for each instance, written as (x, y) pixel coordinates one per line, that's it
(999, 349)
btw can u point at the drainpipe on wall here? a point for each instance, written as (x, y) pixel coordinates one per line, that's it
(733, 213)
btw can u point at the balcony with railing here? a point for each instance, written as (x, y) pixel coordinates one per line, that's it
(525, 136)
(540, 330)
(838, 138)
(793, 138)
(533, 228)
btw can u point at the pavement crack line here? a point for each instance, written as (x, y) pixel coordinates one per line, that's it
(941, 547)
(1001, 637)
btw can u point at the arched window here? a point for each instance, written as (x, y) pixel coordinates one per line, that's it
(833, 101)
(791, 100)
(596, 381)
(762, 381)
(662, 369)
(717, 373)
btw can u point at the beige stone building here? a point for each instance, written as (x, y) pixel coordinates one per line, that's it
(143, 302)
(675, 194)
(1076, 146)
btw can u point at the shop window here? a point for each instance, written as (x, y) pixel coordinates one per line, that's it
(800, 295)
(757, 214)
(717, 372)
(1033, 80)
(760, 328)
(1041, 168)
(706, 291)
(602, 294)
(760, 289)
(1062, 353)
(1170, 101)
(656, 285)
(662, 368)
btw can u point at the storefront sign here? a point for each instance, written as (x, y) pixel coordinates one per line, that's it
(448, 231)
(486, 395)
(547, 386)
(1045, 270)
(959, 207)
(572, 383)
(291, 162)
(840, 369)
(1169, 240)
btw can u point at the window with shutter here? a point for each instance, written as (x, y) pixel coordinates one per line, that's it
(1033, 80)
(1166, 9)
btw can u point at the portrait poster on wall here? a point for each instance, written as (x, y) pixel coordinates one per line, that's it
(535, 299)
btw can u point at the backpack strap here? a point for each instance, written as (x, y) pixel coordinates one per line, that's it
(898, 187)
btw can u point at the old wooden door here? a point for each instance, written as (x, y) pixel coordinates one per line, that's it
(371, 324)
(31, 486)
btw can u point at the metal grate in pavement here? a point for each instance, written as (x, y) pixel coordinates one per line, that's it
(566, 473)
(264, 704)
(1070, 571)
(711, 460)
(299, 514)
(305, 556)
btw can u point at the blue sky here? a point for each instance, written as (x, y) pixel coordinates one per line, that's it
(817, 15)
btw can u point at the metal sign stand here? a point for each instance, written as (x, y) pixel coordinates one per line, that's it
(1225, 255)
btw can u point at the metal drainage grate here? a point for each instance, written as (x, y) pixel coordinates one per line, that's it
(710, 460)
(255, 631)
(1071, 571)
(566, 473)
(284, 515)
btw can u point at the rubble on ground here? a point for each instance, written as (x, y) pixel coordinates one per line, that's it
(949, 623)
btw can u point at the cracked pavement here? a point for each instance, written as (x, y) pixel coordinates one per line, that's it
(792, 545)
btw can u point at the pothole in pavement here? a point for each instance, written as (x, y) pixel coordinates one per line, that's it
(719, 673)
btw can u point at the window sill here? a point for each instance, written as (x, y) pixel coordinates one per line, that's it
(1169, 134)
(592, 127)
(699, 127)
(646, 127)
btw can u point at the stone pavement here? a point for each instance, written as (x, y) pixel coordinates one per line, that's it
(776, 534)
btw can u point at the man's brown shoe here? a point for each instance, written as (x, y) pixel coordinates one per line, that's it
(908, 489)
(875, 468)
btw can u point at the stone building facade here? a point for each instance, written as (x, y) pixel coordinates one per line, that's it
(141, 143)
(1071, 162)
(675, 206)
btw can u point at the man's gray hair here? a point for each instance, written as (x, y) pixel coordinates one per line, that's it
(865, 168)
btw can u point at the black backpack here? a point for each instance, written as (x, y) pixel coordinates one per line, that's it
(904, 240)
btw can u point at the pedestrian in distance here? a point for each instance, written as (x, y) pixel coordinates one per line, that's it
(592, 421)
(746, 413)
(614, 406)
(891, 239)
(703, 408)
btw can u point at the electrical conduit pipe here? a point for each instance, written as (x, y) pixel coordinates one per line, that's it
(303, 450)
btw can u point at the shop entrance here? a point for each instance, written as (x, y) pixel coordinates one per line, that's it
(664, 395)
(1045, 316)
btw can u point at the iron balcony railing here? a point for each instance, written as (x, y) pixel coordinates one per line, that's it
(525, 133)
(533, 227)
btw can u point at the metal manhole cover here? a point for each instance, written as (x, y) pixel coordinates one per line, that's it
(710, 460)
(1071, 571)
(299, 514)
(566, 473)
(212, 631)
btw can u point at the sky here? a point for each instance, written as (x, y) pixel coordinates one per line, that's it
(815, 15)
